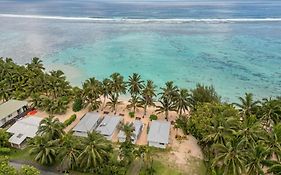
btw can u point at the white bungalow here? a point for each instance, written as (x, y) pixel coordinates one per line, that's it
(23, 129)
(108, 126)
(158, 135)
(138, 125)
(87, 123)
(10, 110)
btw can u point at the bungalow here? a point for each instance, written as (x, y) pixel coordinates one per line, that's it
(108, 126)
(137, 124)
(158, 135)
(87, 123)
(23, 129)
(10, 110)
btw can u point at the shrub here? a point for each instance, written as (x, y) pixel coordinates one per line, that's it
(5, 168)
(132, 114)
(71, 119)
(205, 94)
(4, 137)
(28, 170)
(5, 151)
(153, 117)
(77, 105)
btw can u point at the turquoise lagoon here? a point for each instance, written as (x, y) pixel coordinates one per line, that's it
(234, 57)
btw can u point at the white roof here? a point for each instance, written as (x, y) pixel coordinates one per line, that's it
(108, 125)
(137, 125)
(17, 139)
(159, 132)
(87, 123)
(10, 107)
(23, 128)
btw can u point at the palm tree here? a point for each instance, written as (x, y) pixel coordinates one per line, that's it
(92, 91)
(221, 130)
(51, 127)
(274, 167)
(36, 65)
(44, 150)
(134, 102)
(248, 106)
(5, 90)
(118, 85)
(182, 101)
(148, 93)
(256, 158)
(250, 131)
(106, 90)
(230, 157)
(127, 149)
(273, 142)
(166, 106)
(77, 92)
(95, 151)
(68, 152)
(57, 84)
(35, 100)
(169, 91)
(56, 106)
(113, 102)
(135, 84)
(128, 130)
(144, 153)
(270, 112)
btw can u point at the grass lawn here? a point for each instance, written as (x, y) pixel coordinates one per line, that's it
(159, 167)
(196, 166)
(163, 169)
(18, 154)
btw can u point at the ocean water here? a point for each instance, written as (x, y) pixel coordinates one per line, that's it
(161, 40)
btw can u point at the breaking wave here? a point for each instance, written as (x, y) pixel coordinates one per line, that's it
(148, 20)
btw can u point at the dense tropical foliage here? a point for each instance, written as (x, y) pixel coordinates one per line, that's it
(239, 138)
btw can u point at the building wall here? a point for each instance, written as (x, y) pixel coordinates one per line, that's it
(17, 113)
(9, 117)
(3, 121)
(122, 139)
(156, 144)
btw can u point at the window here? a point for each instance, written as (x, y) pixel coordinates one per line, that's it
(162, 143)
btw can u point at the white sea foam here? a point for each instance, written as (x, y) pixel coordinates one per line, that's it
(148, 20)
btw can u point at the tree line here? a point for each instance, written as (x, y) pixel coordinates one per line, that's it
(51, 92)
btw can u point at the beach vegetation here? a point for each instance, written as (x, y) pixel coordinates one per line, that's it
(4, 138)
(204, 94)
(132, 114)
(6, 169)
(134, 103)
(71, 119)
(135, 84)
(5, 151)
(147, 96)
(153, 117)
(28, 170)
(51, 127)
(77, 104)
